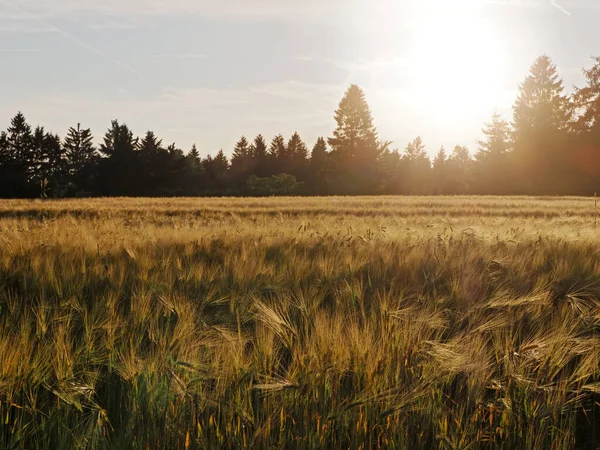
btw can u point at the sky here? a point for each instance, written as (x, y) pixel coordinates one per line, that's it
(207, 72)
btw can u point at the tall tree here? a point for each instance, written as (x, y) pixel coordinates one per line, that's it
(298, 157)
(319, 168)
(194, 173)
(241, 162)
(259, 154)
(154, 160)
(216, 169)
(354, 144)
(542, 116)
(492, 171)
(278, 156)
(439, 173)
(460, 170)
(19, 159)
(82, 159)
(416, 168)
(120, 169)
(50, 171)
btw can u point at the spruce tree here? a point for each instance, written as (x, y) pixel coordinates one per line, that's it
(82, 160)
(354, 144)
(259, 154)
(241, 162)
(492, 172)
(298, 157)
(542, 117)
(120, 169)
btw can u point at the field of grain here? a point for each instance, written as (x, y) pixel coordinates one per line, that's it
(416, 322)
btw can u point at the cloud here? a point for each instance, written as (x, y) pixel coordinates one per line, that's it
(240, 8)
(560, 8)
(178, 56)
(74, 39)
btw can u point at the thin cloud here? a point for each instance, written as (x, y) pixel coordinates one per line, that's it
(178, 56)
(72, 38)
(559, 7)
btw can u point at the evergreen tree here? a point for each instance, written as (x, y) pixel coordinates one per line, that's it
(416, 168)
(241, 162)
(298, 157)
(278, 156)
(354, 145)
(319, 168)
(390, 172)
(586, 155)
(19, 159)
(154, 160)
(194, 173)
(120, 169)
(440, 173)
(259, 153)
(542, 116)
(216, 169)
(459, 170)
(82, 159)
(50, 170)
(492, 171)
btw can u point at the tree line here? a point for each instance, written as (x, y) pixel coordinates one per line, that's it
(551, 147)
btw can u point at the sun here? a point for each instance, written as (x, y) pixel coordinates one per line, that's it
(456, 59)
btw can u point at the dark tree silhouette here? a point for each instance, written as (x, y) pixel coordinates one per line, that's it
(354, 145)
(242, 164)
(120, 169)
(319, 168)
(551, 147)
(82, 160)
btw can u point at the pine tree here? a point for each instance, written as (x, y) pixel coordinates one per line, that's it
(259, 154)
(50, 170)
(194, 173)
(19, 159)
(319, 168)
(216, 169)
(587, 100)
(241, 162)
(586, 155)
(492, 173)
(298, 157)
(354, 144)
(278, 156)
(541, 103)
(120, 169)
(439, 172)
(154, 160)
(459, 170)
(542, 116)
(82, 160)
(416, 168)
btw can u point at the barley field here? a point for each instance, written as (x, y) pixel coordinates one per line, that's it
(344, 323)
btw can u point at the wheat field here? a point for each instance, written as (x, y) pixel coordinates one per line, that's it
(345, 323)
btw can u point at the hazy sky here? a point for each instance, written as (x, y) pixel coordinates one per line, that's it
(207, 72)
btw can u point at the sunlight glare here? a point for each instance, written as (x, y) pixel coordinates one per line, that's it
(456, 59)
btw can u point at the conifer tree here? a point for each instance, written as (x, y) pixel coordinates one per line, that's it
(354, 145)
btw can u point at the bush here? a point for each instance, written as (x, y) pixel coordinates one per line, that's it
(282, 184)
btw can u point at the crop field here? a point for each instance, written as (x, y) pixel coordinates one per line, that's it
(346, 323)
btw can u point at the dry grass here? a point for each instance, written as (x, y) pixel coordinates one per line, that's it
(447, 323)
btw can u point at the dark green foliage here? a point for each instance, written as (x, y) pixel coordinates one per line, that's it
(282, 184)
